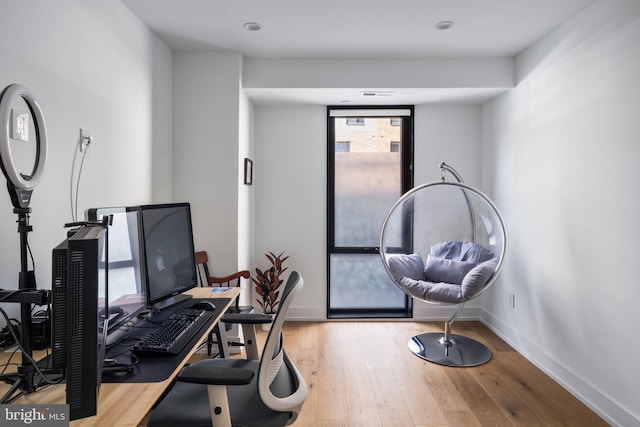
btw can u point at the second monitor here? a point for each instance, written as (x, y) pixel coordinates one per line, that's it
(127, 288)
(167, 239)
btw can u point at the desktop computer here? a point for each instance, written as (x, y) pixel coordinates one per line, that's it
(105, 275)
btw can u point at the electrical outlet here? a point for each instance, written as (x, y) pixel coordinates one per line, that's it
(512, 300)
(85, 139)
(19, 125)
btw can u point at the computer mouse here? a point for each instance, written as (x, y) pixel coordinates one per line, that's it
(204, 305)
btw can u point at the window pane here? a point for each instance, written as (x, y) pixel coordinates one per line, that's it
(342, 147)
(367, 180)
(361, 282)
(355, 121)
(119, 242)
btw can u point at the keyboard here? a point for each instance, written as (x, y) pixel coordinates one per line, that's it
(172, 335)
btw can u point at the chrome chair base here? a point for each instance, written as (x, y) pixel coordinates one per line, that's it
(457, 350)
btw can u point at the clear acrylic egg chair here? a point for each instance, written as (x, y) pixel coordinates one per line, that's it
(444, 243)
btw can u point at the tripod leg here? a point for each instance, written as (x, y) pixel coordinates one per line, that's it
(9, 397)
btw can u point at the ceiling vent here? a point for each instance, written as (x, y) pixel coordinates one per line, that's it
(374, 93)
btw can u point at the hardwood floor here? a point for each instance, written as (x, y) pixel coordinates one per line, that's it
(361, 374)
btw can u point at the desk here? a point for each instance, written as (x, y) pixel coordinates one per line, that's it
(124, 404)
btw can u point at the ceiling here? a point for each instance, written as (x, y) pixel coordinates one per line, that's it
(356, 28)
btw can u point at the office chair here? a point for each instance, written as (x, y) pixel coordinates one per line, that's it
(444, 243)
(268, 392)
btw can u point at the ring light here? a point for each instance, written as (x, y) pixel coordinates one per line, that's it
(21, 185)
(15, 129)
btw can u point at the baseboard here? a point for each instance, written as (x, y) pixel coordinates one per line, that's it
(306, 314)
(606, 407)
(425, 313)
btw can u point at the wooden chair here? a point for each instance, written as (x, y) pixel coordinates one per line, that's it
(202, 262)
(237, 314)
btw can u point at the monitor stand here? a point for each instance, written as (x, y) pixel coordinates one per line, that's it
(176, 299)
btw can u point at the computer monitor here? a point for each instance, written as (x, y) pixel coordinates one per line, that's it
(170, 267)
(126, 293)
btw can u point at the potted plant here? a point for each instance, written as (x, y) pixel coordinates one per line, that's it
(268, 281)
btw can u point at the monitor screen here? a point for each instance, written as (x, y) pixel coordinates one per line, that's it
(170, 267)
(126, 293)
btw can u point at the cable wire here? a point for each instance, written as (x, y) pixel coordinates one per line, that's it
(24, 353)
(84, 154)
(73, 195)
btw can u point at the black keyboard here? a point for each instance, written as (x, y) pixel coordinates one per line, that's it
(172, 335)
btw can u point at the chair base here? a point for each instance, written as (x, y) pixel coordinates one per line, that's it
(458, 351)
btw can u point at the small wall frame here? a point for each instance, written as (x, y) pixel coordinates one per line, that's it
(248, 171)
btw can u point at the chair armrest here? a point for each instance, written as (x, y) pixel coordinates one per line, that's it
(217, 376)
(246, 318)
(245, 274)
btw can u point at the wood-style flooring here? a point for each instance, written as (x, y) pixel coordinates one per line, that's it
(361, 374)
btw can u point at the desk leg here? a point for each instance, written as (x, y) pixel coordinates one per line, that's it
(221, 337)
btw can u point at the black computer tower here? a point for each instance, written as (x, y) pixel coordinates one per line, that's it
(85, 307)
(59, 305)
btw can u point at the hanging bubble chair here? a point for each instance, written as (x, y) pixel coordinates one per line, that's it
(444, 243)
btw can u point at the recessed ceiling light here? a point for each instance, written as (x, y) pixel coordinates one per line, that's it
(444, 25)
(252, 26)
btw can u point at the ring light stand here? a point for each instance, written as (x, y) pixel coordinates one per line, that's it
(15, 126)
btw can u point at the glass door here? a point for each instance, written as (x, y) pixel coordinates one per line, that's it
(370, 156)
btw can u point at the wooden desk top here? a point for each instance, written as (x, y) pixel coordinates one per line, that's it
(123, 404)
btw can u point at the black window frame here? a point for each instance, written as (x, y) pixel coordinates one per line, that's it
(407, 182)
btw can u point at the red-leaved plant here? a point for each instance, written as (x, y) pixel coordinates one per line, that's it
(268, 281)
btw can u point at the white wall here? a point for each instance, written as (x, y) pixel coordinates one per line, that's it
(450, 134)
(269, 73)
(162, 126)
(290, 198)
(290, 186)
(206, 165)
(246, 214)
(563, 162)
(83, 74)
